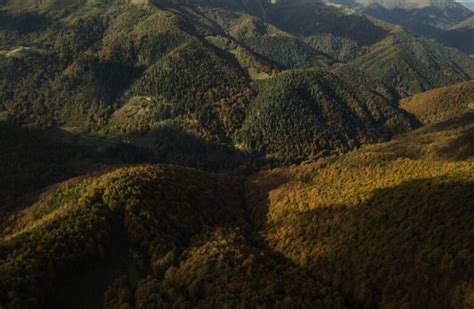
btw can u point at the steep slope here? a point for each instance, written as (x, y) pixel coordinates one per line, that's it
(260, 35)
(383, 224)
(411, 65)
(441, 104)
(71, 79)
(375, 47)
(85, 68)
(82, 69)
(87, 73)
(433, 21)
(168, 81)
(311, 113)
(199, 82)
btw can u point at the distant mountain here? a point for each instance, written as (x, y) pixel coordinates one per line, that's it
(411, 65)
(408, 4)
(432, 19)
(220, 154)
(167, 82)
(167, 78)
(467, 3)
(432, 16)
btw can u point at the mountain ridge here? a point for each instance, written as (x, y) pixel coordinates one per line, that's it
(409, 4)
(233, 153)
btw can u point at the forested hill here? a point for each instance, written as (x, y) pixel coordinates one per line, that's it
(231, 153)
(161, 236)
(441, 104)
(376, 223)
(133, 72)
(201, 84)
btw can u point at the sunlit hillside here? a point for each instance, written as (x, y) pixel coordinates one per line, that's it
(236, 154)
(441, 104)
(387, 225)
(145, 236)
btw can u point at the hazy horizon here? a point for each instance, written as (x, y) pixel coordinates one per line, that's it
(468, 4)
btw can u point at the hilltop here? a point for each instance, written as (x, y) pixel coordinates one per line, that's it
(307, 114)
(441, 104)
(142, 74)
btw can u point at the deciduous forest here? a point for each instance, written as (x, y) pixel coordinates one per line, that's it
(236, 154)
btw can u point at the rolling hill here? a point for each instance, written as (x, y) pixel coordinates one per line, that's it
(357, 220)
(145, 236)
(161, 235)
(441, 104)
(232, 154)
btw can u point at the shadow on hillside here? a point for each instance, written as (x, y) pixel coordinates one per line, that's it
(84, 285)
(454, 123)
(434, 141)
(461, 148)
(457, 38)
(407, 246)
(170, 144)
(24, 22)
(317, 18)
(32, 158)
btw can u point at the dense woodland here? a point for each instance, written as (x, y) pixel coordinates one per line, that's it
(387, 225)
(232, 153)
(158, 236)
(441, 104)
(285, 123)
